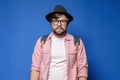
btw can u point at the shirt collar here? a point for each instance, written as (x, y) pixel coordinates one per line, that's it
(66, 36)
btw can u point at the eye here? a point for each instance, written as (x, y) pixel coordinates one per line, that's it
(64, 21)
(61, 21)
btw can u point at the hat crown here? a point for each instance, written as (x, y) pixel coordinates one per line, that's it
(60, 8)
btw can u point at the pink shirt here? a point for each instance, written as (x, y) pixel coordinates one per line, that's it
(76, 59)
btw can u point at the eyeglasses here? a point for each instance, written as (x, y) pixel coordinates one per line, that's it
(63, 22)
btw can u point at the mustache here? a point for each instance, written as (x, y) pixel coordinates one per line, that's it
(59, 27)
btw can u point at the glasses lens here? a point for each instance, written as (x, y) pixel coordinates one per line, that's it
(61, 21)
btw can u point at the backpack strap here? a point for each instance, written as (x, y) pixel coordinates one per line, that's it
(43, 40)
(76, 41)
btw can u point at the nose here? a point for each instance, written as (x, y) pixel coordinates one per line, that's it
(59, 23)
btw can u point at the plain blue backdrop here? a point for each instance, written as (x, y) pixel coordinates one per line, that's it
(97, 22)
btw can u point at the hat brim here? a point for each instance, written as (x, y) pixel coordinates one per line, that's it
(66, 14)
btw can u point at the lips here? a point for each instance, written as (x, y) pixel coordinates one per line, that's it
(59, 28)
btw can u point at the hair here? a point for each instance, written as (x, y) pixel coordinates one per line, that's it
(56, 16)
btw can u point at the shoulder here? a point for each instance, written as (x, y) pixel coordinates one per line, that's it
(75, 39)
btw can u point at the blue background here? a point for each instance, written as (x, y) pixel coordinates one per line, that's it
(97, 22)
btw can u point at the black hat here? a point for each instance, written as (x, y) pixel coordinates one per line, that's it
(59, 9)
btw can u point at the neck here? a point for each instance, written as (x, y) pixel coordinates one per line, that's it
(60, 36)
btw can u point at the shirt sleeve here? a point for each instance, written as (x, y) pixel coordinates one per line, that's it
(82, 65)
(36, 56)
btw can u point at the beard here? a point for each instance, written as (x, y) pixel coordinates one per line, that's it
(58, 32)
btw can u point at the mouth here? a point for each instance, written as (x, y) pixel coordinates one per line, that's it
(59, 28)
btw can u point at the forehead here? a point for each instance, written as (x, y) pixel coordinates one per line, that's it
(62, 17)
(59, 16)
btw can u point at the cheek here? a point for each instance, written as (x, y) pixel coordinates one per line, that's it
(64, 27)
(53, 26)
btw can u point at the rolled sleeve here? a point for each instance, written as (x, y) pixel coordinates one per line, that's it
(82, 65)
(36, 57)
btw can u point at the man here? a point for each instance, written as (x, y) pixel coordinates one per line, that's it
(58, 58)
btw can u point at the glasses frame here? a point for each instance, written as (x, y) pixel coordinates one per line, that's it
(63, 22)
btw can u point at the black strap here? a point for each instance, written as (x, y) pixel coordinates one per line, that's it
(44, 38)
(76, 39)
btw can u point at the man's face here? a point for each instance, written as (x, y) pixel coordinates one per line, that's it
(59, 26)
